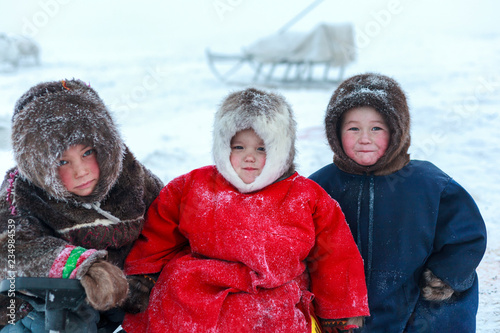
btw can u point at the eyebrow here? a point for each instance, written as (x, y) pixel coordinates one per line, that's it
(349, 122)
(260, 143)
(371, 122)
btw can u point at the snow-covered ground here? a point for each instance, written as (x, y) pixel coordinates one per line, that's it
(147, 61)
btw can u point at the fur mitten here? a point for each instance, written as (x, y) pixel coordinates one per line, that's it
(105, 285)
(138, 296)
(433, 288)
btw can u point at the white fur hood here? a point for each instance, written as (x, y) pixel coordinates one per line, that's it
(271, 117)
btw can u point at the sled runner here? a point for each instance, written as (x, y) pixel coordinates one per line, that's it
(292, 58)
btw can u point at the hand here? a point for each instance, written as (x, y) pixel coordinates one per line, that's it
(139, 290)
(341, 325)
(433, 288)
(105, 285)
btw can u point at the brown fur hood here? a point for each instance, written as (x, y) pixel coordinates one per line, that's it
(271, 117)
(52, 116)
(384, 95)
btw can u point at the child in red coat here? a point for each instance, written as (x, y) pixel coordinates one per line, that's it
(247, 245)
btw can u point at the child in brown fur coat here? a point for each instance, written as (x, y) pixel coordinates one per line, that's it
(76, 199)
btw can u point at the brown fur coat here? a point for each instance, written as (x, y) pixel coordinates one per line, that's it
(47, 120)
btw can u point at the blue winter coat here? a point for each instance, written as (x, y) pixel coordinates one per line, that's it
(415, 218)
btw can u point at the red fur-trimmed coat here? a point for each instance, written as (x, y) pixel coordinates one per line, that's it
(234, 262)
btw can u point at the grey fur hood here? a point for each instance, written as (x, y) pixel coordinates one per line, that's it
(52, 116)
(271, 117)
(385, 95)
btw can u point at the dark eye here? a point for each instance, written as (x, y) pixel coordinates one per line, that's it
(238, 147)
(89, 152)
(62, 162)
(353, 129)
(377, 128)
(262, 149)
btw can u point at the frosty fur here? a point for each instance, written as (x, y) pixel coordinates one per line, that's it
(434, 289)
(270, 116)
(75, 114)
(386, 96)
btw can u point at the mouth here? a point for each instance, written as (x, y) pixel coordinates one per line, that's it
(85, 185)
(249, 169)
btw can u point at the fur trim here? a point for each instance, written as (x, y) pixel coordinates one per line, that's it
(356, 321)
(384, 95)
(52, 116)
(271, 117)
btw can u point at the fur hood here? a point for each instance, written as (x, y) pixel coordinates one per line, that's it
(271, 117)
(52, 116)
(384, 95)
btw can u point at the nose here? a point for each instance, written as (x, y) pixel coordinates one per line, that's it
(250, 157)
(80, 170)
(365, 138)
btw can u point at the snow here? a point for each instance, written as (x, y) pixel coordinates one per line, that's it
(147, 61)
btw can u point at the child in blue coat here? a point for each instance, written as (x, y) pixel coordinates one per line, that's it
(419, 232)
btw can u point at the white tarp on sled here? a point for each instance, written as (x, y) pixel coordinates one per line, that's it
(333, 43)
(302, 59)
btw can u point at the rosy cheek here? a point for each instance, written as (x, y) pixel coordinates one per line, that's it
(65, 178)
(263, 162)
(384, 144)
(232, 159)
(347, 143)
(94, 166)
(96, 170)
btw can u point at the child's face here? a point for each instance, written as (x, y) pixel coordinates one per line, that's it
(248, 155)
(79, 170)
(365, 135)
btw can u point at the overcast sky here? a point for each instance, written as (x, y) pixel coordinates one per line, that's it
(166, 26)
